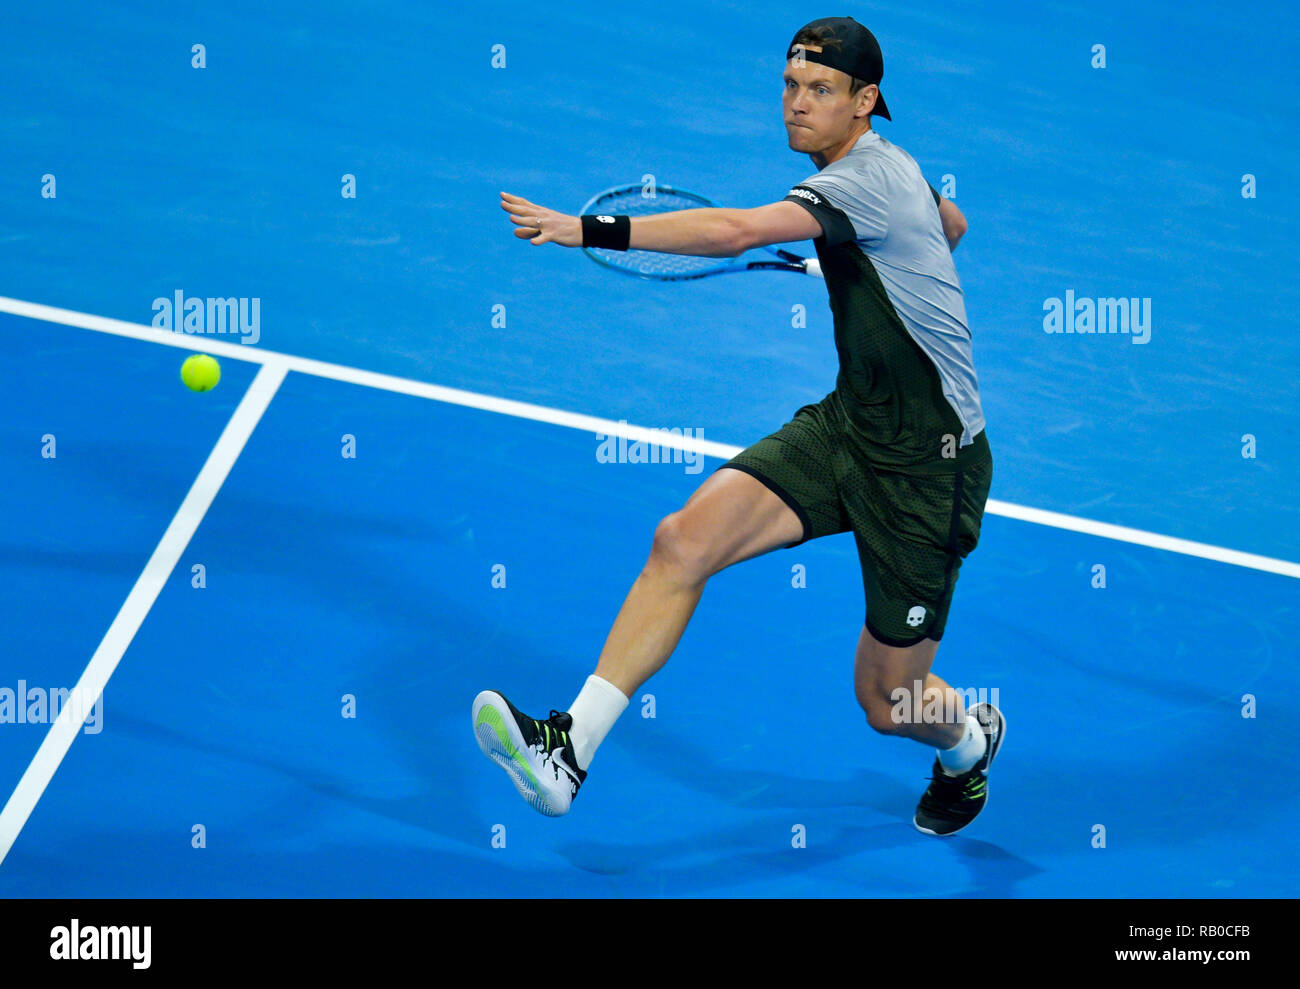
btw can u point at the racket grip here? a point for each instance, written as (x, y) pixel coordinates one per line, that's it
(814, 267)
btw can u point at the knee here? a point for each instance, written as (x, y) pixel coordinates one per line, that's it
(877, 700)
(678, 552)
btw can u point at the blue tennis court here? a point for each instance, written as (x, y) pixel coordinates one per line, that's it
(397, 496)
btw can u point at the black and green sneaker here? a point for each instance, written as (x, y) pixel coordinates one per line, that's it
(952, 802)
(537, 755)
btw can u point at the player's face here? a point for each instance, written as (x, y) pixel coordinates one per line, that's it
(818, 111)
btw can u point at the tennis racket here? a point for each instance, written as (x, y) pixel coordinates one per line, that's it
(629, 200)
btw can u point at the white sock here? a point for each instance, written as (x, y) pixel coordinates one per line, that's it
(970, 750)
(594, 712)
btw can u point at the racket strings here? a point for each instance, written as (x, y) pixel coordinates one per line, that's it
(632, 202)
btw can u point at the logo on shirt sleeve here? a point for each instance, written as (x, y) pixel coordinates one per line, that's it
(805, 194)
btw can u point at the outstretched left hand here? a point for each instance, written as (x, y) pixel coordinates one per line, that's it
(540, 225)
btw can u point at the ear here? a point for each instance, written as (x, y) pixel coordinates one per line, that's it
(868, 96)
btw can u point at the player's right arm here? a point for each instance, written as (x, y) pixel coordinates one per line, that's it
(712, 232)
(717, 232)
(727, 233)
(776, 223)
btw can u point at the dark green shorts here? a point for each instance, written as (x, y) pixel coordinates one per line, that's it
(913, 527)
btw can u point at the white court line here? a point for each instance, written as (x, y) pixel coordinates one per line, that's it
(147, 587)
(558, 417)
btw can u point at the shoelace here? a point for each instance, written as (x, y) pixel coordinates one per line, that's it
(947, 791)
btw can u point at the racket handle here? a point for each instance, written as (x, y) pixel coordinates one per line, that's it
(814, 267)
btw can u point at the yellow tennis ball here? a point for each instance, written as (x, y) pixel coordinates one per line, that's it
(200, 372)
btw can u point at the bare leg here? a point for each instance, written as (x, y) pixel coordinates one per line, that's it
(731, 517)
(880, 669)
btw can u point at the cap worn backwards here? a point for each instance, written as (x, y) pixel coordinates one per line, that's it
(857, 54)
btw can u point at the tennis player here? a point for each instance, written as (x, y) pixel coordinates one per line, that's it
(896, 453)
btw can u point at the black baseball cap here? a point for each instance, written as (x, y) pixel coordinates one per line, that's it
(857, 54)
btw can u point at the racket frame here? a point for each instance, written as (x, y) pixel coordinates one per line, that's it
(788, 261)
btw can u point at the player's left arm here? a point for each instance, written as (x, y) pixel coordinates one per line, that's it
(954, 223)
